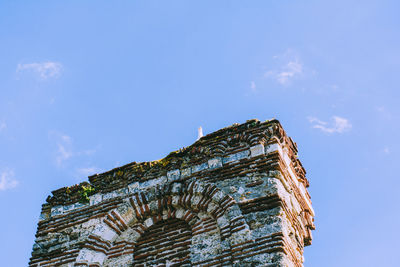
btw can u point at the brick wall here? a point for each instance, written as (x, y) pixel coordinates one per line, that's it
(236, 197)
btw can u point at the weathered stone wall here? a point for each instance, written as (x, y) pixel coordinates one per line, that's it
(236, 197)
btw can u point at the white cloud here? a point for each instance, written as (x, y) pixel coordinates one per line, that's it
(64, 147)
(63, 153)
(292, 69)
(338, 125)
(288, 67)
(313, 119)
(65, 150)
(44, 70)
(7, 180)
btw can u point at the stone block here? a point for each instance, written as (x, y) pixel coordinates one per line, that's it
(200, 167)
(105, 232)
(257, 150)
(215, 163)
(58, 210)
(95, 199)
(174, 175)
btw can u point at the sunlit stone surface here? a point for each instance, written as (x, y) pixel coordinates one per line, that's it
(236, 197)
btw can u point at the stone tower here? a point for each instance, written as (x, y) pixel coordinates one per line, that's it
(236, 197)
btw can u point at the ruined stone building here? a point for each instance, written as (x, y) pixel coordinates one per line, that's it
(236, 197)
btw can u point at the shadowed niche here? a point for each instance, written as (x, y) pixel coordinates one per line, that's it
(167, 243)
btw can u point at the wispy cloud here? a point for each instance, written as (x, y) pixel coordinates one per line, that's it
(287, 68)
(64, 149)
(289, 71)
(7, 180)
(43, 70)
(338, 124)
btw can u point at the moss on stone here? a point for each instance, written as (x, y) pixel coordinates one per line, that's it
(85, 192)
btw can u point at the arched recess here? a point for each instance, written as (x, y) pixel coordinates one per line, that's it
(165, 243)
(214, 218)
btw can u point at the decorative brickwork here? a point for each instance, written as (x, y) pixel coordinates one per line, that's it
(236, 197)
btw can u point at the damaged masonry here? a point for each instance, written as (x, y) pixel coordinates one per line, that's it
(236, 197)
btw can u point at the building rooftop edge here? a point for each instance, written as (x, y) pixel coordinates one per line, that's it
(207, 147)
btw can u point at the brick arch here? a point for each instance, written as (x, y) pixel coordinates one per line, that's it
(247, 139)
(202, 206)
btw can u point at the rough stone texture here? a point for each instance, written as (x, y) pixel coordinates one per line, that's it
(236, 197)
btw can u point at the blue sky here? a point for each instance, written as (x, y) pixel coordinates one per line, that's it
(90, 85)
